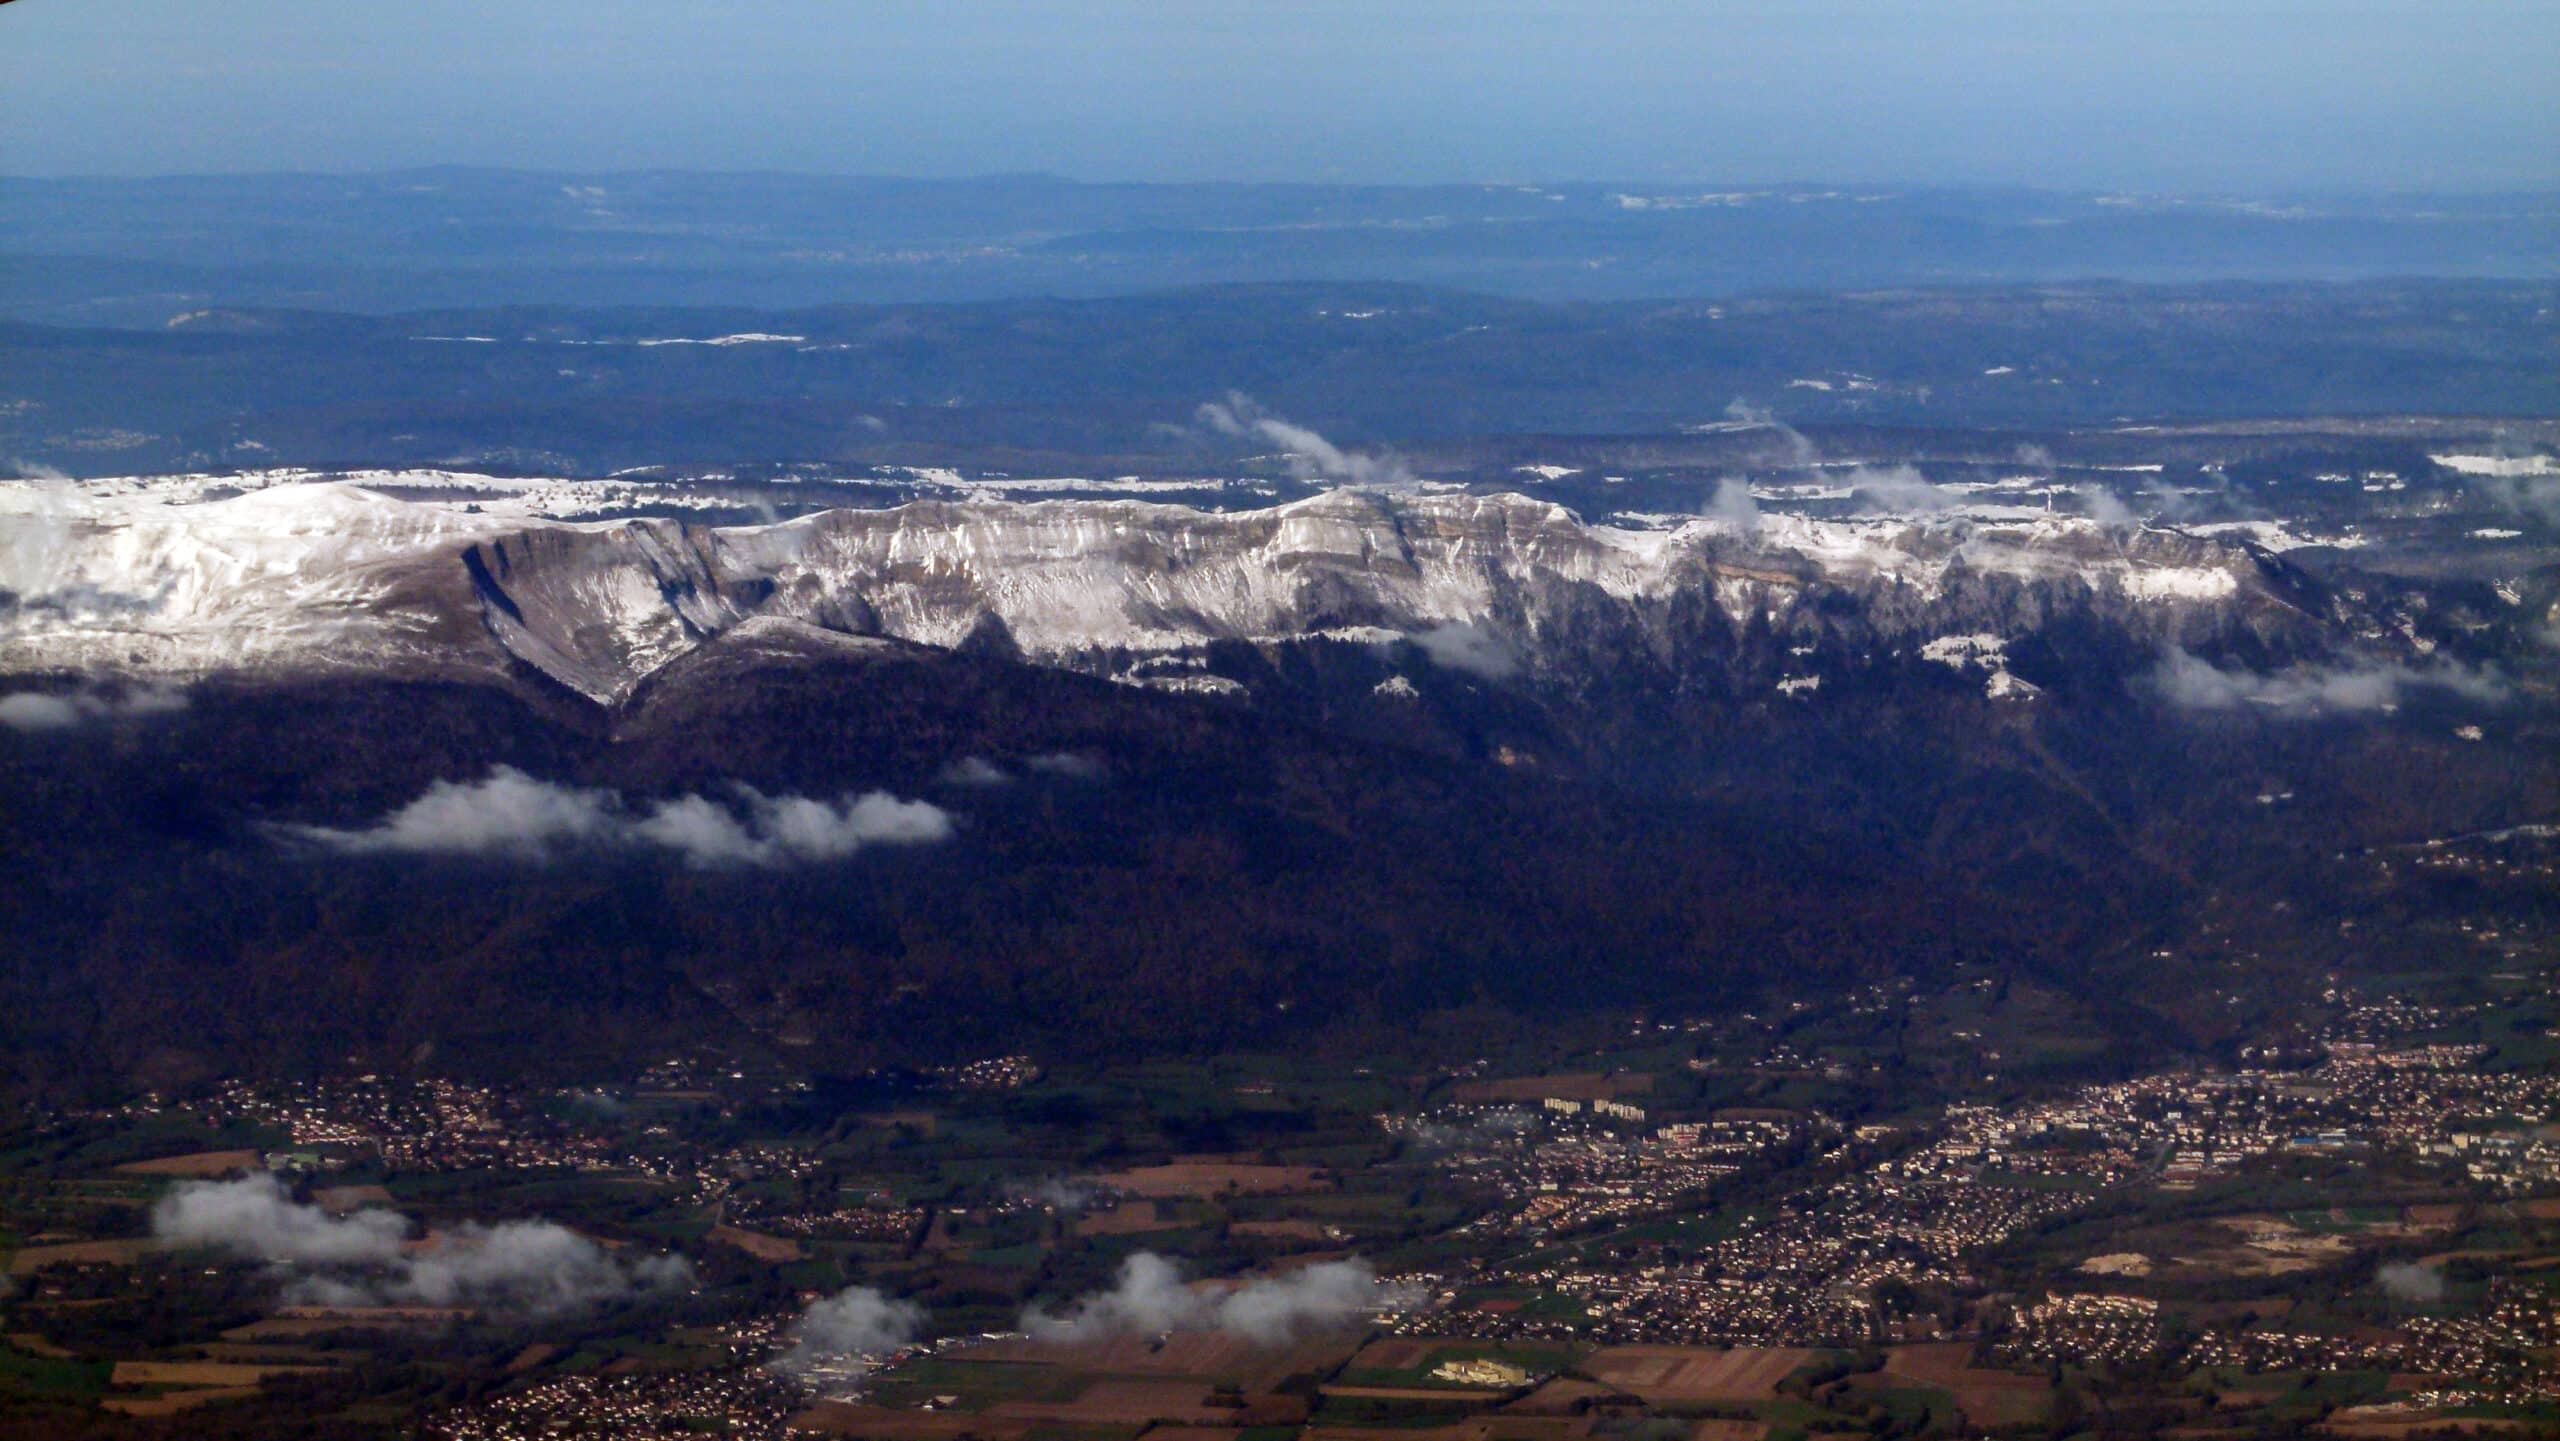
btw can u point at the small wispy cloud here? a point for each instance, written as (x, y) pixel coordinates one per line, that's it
(2529, 487)
(1310, 455)
(857, 1321)
(1150, 1297)
(42, 519)
(1800, 449)
(1889, 488)
(2410, 1281)
(2106, 508)
(2192, 683)
(1470, 649)
(1900, 489)
(370, 1257)
(1733, 506)
(30, 710)
(975, 772)
(1062, 1193)
(512, 815)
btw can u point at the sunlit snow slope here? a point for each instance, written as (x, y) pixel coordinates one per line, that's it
(187, 579)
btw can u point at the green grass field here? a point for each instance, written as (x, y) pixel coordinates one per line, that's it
(28, 1375)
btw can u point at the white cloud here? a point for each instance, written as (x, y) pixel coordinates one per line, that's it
(41, 522)
(703, 833)
(1473, 649)
(508, 813)
(1734, 506)
(1065, 763)
(1151, 1297)
(511, 814)
(369, 1258)
(29, 710)
(1800, 450)
(975, 772)
(2192, 683)
(2103, 506)
(254, 1217)
(1063, 1193)
(1898, 488)
(858, 1321)
(2532, 494)
(2410, 1281)
(1311, 456)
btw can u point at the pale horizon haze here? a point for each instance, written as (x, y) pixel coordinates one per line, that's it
(2249, 95)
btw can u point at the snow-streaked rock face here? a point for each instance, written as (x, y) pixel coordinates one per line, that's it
(186, 580)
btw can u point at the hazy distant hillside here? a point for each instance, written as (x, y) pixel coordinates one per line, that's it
(1088, 383)
(127, 252)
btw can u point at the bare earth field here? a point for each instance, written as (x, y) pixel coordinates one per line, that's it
(1130, 1218)
(2380, 1428)
(31, 1259)
(1989, 1398)
(345, 1200)
(201, 1164)
(1122, 1403)
(292, 1321)
(1444, 1395)
(1560, 1397)
(841, 1418)
(1697, 1373)
(1474, 1428)
(1217, 1178)
(1202, 1355)
(1281, 1230)
(170, 1403)
(198, 1373)
(1577, 1086)
(775, 1249)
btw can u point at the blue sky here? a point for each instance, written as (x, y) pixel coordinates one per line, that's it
(2239, 94)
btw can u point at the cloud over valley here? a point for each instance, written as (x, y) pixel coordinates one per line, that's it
(512, 815)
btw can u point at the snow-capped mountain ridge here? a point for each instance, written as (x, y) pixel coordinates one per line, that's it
(331, 575)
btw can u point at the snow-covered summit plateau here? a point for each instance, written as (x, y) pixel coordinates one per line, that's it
(190, 577)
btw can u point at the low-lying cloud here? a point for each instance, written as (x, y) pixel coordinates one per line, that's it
(1800, 450)
(1151, 1297)
(857, 1321)
(1311, 456)
(1898, 489)
(41, 521)
(254, 1216)
(2409, 1281)
(2517, 479)
(1063, 1193)
(2193, 683)
(975, 772)
(513, 815)
(1733, 506)
(32, 711)
(1473, 649)
(535, 1268)
(2106, 508)
(2534, 495)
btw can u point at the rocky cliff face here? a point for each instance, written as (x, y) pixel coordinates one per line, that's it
(332, 576)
